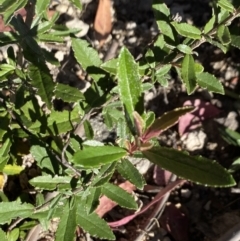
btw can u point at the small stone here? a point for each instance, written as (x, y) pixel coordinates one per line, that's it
(132, 40)
(131, 25)
(141, 164)
(231, 120)
(166, 239)
(207, 205)
(78, 24)
(218, 65)
(230, 73)
(194, 140)
(62, 8)
(162, 231)
(59, 55)
(130, 33)
(186, 193)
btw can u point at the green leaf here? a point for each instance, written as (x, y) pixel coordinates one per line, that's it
(57, 122)
(163, 70)
(3, 236)
(166, 29)
(93, 224)
(210, 82)
(88, 130)
(195, 168)
(225, 4)
(210, 24)
(130, 87)
(86, 56)
(10, 210)
(122, 132)
(160, 7)
(6, 69)
(217, 44)
(235, 41)
(184, 49)
(68, 223)
(187, 30)
(42, 80)
(77, 4)
(45, 37)
(42, 27)
(8, 7)
(147, 86)
(164, 122)
(129, 172)
(43, 158)
(51, 183)
(149, 56)
(160, 42)
(162, 80)
(235, 166)
(110, 66)
(198, 68)
(12, 169)
(188, 73)
(41, 7)
(4, 124)
(104, 175)
(95, 156)
(230, 136)
(138, 123)
(68, 93)
(118, 195)
(149, 119)
(223, 15)
(223, 34)
(3, 162)
(14, 234)
(92, 199)
(62, 30)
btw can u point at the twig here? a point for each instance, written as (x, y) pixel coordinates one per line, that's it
(111, 53)
(14, 117)
(197, 43)
(156, 213)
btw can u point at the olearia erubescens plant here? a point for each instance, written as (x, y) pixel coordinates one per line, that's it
(78, 168)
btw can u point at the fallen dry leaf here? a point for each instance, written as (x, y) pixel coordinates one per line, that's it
(175, 221)
(190, 121)
(103, 21)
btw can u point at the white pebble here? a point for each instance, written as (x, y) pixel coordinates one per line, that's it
(132, 40)
(186, 193)
(131, 25)
(166, 239)
(207, 205)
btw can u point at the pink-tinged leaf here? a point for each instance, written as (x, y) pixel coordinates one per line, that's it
(158, 197)
(161, 177)
(175, 221)
(164, 122)
(138, 122)
(3, 27)
(106, 204)
(146, 146)
(190, 121)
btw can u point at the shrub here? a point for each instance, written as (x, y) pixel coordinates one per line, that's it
(76, 166)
